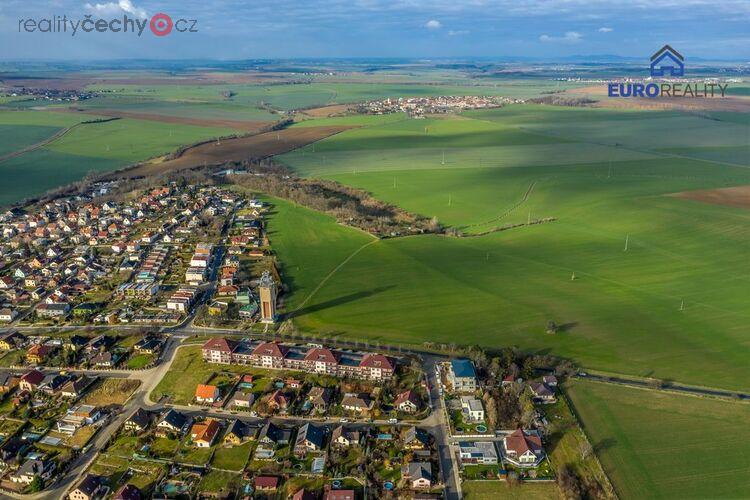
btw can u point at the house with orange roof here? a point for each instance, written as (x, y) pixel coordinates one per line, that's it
(205, 393)
(204, 433)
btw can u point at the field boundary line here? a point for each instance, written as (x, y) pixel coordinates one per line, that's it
(334, 271)
(38, 145)
(509, 210)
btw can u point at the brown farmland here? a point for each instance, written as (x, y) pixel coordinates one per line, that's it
(599, 92)
(737, 196)
(253, 147)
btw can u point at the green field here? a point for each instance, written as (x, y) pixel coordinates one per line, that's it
(491, 490)
(659, 445)
(20, 129)
(501, 288)
(296, 96)
(92, 147)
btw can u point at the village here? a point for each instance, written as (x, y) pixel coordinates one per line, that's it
(417, 107)
(149, 261)
(116, 384)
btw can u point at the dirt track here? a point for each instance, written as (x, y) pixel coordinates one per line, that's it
(234, 150)
(245, 126)
(738, 196)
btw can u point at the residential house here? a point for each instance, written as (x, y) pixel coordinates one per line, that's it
(462, 376)
(37, 353)
(207, 393)
(41, 467)
(479, 452)
(266, 483)
(408, 402)
(204, 433)
(11, 340)
(417, 474)
(242, 400)
(8, 382)
(319, 398)
(472, 409)
(76, 387)
(277, 401)
(128, 492)
(414, 438)
(309, 438)
(345, 437)
(272, 434)
(542, 393)
(173, 422)
(7, 314)
(89, 488)
(31, 380)
(523, 448)
(138, 421)
(358, 403)
(239, 432)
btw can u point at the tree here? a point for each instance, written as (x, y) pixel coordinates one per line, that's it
(551, 327)
(36, 485)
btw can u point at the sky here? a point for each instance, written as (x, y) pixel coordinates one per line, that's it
(259, 29)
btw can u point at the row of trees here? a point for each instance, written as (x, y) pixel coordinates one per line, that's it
(350, 206)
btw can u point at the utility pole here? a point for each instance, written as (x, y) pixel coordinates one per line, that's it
(627, 241)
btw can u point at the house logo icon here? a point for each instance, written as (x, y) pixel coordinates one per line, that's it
(666, 59)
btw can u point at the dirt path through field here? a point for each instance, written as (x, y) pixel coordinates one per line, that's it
(33, 147)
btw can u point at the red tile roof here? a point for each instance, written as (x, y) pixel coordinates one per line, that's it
(266, 482)
(519, 442)
(270, 349)
(321, 355)
(33, 377)
(205, 391)
(376, 361)
(220, 344)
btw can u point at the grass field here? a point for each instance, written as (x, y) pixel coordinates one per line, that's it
(491, 490)
(111, 391)
(659, 445)
(232, 458)
(289, 97)
(90, 147)
(502, 288)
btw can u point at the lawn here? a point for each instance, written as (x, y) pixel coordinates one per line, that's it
(502, 288)
(661, 445)
(491, 490)
(138, 361)
(232, 458)
(111, 391)
(187, 371)
(220, 482)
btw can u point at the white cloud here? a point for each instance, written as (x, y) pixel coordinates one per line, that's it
(115, 8)
(458, 32)
(605, 29)
(568, 37)
(433, 24)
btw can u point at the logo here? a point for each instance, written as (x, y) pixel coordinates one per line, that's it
(667, 63)
(161, 24)
(666, 58)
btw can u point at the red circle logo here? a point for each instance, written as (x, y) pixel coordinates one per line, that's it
(161, 24)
